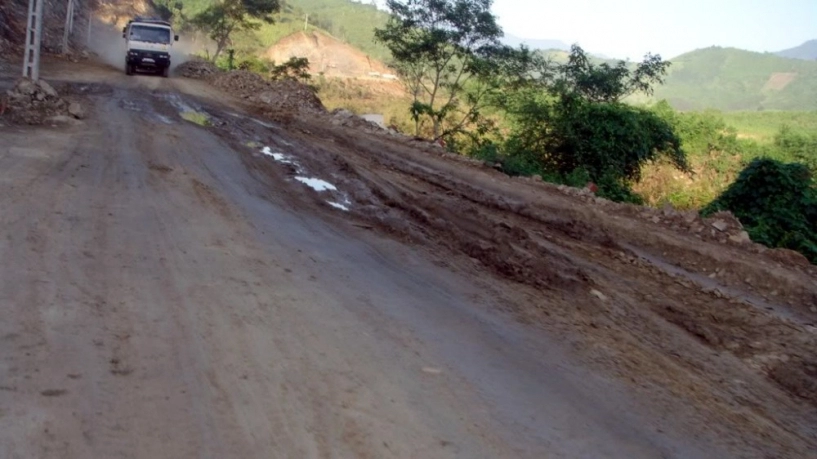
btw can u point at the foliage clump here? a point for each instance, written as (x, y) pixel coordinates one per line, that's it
(777, 204)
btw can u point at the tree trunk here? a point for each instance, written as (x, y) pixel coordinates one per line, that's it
(219, 47)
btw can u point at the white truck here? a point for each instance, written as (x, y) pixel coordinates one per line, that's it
(148, 42)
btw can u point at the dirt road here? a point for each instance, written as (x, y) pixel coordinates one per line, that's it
(174, 290)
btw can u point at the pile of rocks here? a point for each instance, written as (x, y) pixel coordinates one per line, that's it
(197, 68)
(722, 226)
(281, 95)
(38, 103)
(289, 94)
(241, 83)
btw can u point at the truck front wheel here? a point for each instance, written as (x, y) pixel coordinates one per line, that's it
(166, 72)
(128, 69)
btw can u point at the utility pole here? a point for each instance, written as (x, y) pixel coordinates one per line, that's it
(34, 33)
(69, 25)
(306, 22)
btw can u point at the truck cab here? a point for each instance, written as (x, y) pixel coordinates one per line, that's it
(148, 42)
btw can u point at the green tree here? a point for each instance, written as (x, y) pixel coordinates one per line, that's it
(439, 48)
(605, 82)
(225, 17)
(577, 127)
(296, 68)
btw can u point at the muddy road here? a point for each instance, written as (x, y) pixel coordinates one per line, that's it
(185, 275)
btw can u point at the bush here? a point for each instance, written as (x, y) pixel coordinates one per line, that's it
(606, 139)
(777, 204)
(797, 147)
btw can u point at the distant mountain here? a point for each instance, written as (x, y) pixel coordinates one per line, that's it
(807, 50)
(543, 44)
(734, 79)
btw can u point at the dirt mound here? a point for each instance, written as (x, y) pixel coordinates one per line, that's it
(199, 69)
(778, 81)
(327, 55)
(287, 95)
(37, 103)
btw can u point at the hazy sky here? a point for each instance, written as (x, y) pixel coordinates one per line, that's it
(630, 28)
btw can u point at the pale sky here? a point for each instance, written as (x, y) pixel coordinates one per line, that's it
(630, 28)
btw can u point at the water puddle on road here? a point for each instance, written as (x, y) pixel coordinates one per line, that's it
(316, 183)
(280, 157)
(186, 111)
(337, 205)
(202, 119)
(340, 202)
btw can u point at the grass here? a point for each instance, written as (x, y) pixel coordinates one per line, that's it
(764, 125)
(722, 148)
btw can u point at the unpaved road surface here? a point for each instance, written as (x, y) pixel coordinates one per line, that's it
(173, 290)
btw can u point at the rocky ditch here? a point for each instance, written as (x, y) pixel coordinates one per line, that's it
(38, 103)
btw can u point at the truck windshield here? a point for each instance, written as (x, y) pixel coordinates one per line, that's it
(150, 34)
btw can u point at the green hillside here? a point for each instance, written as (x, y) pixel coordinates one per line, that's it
(732, 79)
(346, 20)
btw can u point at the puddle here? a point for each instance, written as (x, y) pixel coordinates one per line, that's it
(280, 157)
(199, 118)
(316, 184)
(312, 182)
(186, 111)
(178, 103)
(338, 206)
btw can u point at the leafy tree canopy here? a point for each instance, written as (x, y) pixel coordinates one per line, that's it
(440, 48)
(225, 17)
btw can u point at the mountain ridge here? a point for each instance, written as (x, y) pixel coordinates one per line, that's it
(806, 51)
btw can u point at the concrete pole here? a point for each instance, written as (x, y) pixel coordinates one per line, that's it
(66, 30)
(71, 18)
(34, 34)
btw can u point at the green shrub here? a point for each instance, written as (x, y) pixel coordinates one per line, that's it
(777, 204)
(796, 146)
(604, 138)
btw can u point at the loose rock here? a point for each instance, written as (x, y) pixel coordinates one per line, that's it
(76, 110)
